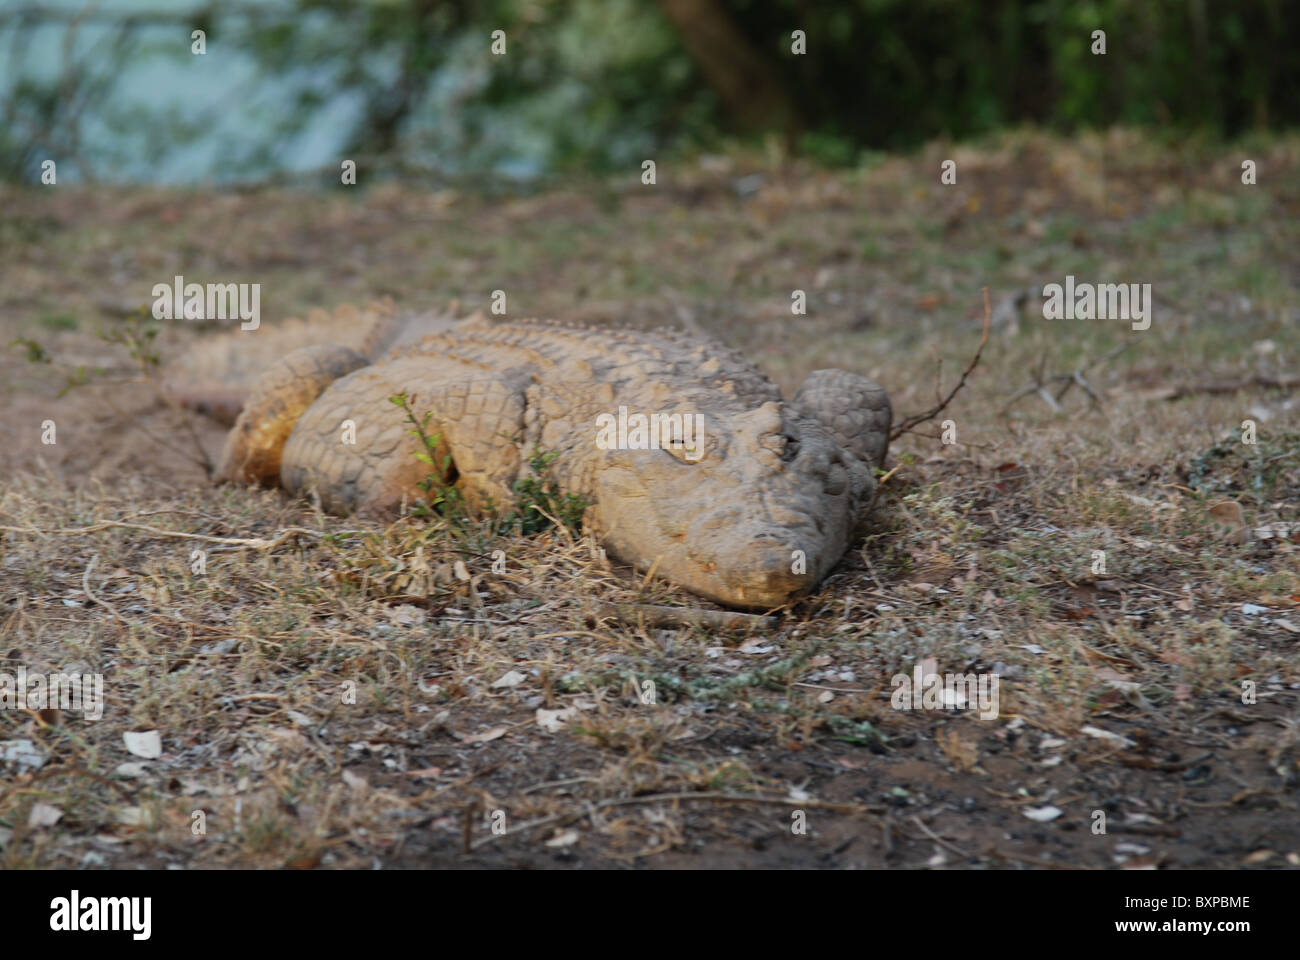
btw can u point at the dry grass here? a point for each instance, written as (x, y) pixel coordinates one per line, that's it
(326, 691)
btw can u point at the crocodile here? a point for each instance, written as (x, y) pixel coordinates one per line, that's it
(751, 509)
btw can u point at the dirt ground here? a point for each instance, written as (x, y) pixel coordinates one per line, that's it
(338, 694)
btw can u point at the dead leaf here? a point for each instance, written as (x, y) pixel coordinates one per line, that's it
(510, 679)
(147, 743)
(493, 734)
(566, 839)
(1228, 521)
(24, 753)
(406, 616)
(135, 816)
(286, 737)
(43, 815)
(1149, 862)
(962, 754)
(1108, 736)
(552, 721)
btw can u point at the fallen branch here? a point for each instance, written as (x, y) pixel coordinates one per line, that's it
(909, 422)
(256, 543)
(659, 616)
(1067, 380)
(1285, 381)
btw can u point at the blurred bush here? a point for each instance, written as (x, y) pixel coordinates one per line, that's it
(596, 84)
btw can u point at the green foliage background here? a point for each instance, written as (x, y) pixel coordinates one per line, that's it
(596, 84)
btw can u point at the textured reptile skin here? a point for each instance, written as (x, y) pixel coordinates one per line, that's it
(758, 518)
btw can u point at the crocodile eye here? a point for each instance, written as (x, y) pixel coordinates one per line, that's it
(692, 451)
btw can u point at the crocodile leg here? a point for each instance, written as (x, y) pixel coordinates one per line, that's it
(854, 409)
(357, 451)
(278, 399)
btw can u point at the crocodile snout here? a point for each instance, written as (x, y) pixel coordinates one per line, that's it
(766, 575)
(761, 568)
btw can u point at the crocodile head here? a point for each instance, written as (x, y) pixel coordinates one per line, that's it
(756, 518)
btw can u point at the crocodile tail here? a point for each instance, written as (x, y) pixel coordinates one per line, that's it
(256, 442)
(218, 376)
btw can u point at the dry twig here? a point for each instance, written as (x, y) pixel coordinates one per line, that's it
(1067, 380)
(1283, 381)
(256, 543)
(909, 422)
(90, 594)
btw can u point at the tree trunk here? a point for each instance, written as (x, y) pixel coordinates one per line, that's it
(748, 83)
